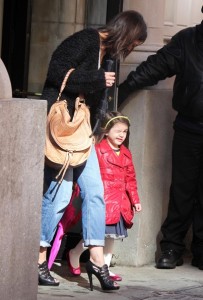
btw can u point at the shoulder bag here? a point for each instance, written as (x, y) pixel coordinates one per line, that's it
(68, 142)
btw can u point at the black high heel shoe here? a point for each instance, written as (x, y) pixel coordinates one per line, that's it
(44, 276)
(102, 273)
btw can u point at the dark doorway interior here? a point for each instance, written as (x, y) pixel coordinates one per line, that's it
(16, 41)
(113, 8)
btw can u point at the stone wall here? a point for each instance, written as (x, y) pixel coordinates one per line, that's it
(22, 138)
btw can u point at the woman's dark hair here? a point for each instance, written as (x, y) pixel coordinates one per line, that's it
(123, 30)
(108, 122)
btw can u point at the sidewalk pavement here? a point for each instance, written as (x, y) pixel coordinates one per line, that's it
(147, 282)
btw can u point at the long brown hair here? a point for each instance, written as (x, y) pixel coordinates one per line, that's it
(123, 30)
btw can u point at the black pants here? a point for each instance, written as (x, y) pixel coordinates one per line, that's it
(186, 194)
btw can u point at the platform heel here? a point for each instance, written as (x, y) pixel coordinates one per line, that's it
(44, 275)
(102, 274)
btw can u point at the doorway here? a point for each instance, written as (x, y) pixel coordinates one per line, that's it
(16, 41)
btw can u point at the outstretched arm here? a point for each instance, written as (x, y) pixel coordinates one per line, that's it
(165, 63)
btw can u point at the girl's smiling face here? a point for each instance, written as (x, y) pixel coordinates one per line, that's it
(117, 135)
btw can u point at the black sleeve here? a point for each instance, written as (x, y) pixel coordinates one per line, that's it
(71, 53)
(165, 63)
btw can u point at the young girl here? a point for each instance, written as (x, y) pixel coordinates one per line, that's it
(120, 187)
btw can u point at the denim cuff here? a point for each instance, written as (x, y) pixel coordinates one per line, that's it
(44, 244)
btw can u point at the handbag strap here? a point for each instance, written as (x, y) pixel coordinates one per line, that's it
(64, 83)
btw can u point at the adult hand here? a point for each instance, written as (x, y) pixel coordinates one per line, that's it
(110, 78)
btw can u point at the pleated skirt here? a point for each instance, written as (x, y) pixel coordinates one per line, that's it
(116, 231)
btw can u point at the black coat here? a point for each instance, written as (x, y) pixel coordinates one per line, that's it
(183, 57)
(79, 51)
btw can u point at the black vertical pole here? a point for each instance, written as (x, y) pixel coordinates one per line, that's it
(113, 8)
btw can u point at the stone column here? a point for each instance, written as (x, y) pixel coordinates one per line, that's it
(151, 118)
(151, 133)
(5, 84)
(153, 13)
(22, 138)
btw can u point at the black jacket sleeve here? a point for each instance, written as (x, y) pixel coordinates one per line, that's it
(81, 52)
(165, 63)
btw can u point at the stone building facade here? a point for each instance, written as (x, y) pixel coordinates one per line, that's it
(149, 110)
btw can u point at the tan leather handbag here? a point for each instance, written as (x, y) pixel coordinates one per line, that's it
(68, 142)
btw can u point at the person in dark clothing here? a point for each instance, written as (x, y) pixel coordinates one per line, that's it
(183, 57)
(86, 51)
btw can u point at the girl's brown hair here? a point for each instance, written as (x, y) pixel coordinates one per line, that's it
(108, 122)
(123, 30)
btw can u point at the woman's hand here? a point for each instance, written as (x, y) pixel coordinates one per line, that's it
(110, 78)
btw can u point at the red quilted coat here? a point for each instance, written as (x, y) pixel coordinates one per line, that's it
(119, 179)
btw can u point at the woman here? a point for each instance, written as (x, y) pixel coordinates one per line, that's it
(86, 52)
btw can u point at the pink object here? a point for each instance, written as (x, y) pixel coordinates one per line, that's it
(115, 277)
(69, 219)
(73, 271)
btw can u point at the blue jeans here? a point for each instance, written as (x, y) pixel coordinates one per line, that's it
(57, 197)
